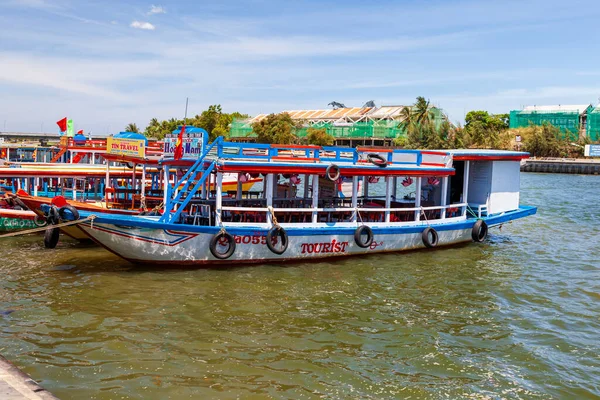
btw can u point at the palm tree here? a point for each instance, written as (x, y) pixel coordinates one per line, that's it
(407, 120)
(422, 111)
(132, 127)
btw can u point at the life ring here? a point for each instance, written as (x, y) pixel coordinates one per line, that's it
(53, 217)
(479, 231)
(376, 159)
(429, 237)
(217, 239)
(272, 235)
(358, 236)
(62, 212)
(332, 172)
(51, 237)
(39, 221)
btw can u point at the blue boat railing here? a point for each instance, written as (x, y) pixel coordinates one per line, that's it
(270, 153)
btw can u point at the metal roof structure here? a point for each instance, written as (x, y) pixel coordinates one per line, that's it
(579, 108)
(342, 115)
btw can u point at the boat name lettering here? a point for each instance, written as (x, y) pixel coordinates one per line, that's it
(327, 247)
(125, 146)
(375, 245)
(255, 239)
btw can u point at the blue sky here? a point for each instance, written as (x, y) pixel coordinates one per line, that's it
(107, 63)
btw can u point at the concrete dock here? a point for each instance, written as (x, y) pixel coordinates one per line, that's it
(17, 385)
(561, 165)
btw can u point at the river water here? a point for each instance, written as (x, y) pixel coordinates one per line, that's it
(517, 317)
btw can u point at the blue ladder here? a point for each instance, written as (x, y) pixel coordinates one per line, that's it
(192, 181)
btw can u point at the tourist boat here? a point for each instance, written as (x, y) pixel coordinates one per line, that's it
(408, 199)
(121, 178)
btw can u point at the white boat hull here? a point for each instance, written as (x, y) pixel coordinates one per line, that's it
(160, 246)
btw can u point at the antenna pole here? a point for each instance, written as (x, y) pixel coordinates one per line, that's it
(186, 107)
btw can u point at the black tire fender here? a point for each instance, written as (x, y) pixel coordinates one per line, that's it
(358, 236)
(277, 231)
(480, 231)
(430, 237)
(62, 212)
(376, 159)
(332, 169)
(52, 217)
(215, 241)
(51, 237)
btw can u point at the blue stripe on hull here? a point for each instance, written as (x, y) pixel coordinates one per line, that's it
(139, 222)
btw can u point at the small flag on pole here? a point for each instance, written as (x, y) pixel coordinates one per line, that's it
(62, 124)
(70, 127)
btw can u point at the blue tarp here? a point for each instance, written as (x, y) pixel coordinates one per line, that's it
(130, 135)
(190, 130)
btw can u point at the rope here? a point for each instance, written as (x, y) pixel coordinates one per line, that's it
(43, 228)
(273, 217)
(359, 216)
(424, 215)
(470, 210)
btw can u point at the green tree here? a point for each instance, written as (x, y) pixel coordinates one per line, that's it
(485, 129)
(422, 111)
(319, 137)
(545, 141)
(214, 121)
(276, 128)
(132, 127)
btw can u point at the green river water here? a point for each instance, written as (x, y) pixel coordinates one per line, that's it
(517, 317)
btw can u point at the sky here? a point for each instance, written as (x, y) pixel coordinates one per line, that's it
(107, 63)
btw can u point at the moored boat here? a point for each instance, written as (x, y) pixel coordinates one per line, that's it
(400, 200)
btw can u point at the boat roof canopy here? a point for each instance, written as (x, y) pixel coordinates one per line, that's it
(131, 135)
(151, 160)
(486, 154)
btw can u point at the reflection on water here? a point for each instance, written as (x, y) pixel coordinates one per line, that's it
(515, 317)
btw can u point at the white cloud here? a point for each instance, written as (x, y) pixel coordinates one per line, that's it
(142, 25)
(157, 10)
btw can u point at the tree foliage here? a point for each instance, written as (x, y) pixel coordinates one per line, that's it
(276, 128)
(422, 132)
(132, 127)
(485, 130)
(319, 137)
(213, 120)
(548, 141)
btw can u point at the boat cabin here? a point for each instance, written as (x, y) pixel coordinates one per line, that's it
(308, 186)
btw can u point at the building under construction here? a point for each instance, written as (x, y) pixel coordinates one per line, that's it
(570, 119)
(377, 126)
(593, 124)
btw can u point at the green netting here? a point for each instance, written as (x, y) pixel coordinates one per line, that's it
(562, 120)
(359, 130)
(593, 125)
(565, 121)
(240, 129)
